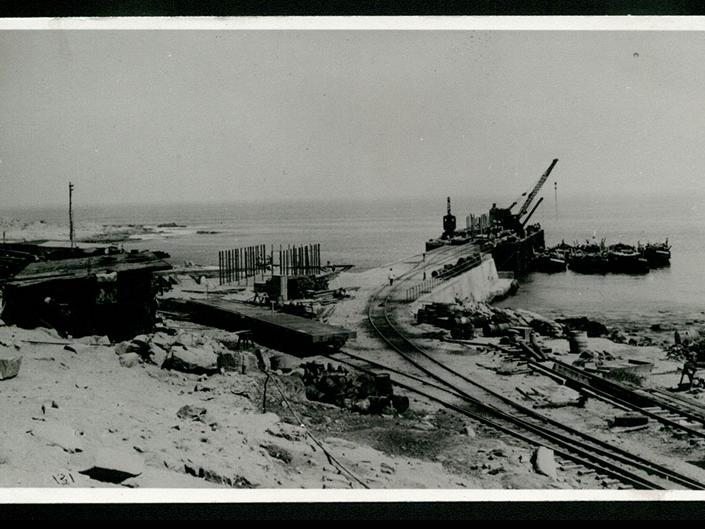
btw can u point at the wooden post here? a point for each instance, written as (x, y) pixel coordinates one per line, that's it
(71, 234)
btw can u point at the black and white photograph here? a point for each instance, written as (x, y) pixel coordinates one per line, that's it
(269, 255)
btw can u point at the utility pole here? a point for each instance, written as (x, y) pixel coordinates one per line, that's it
(71, 234)
(555, 196)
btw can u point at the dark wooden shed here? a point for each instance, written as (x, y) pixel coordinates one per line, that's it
(113, 294)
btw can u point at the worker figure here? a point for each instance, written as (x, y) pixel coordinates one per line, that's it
(391, 277)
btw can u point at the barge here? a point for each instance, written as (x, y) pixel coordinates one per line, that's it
(298, 335)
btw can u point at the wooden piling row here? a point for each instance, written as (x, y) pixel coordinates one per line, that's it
(242, 263)
(300, 260)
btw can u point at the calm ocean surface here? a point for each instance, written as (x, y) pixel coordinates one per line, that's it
(372, 233)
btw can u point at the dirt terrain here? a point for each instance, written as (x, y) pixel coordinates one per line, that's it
(79, 405)
(70, 403)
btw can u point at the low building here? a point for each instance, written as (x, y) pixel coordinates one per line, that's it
(111, 294)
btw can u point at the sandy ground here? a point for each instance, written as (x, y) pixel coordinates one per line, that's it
(134, 410)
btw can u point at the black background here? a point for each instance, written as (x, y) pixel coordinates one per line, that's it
(419, 511)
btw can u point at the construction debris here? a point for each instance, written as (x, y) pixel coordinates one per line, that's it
(362, 393)
(591, 327)
(629, 420)
(463, 320)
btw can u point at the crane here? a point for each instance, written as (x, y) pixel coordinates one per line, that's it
(449, 223)
(536, 206)
(535, 191)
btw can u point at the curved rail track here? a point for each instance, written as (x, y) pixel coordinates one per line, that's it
(497, 411)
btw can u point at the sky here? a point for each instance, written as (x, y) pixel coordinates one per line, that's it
(181, 116)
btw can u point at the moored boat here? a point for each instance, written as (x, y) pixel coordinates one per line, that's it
(588, 262)
(550, 262)
(658, 255)
(625, 259)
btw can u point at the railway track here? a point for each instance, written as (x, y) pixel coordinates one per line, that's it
(669, 410)
(676, 412)
(616, 465)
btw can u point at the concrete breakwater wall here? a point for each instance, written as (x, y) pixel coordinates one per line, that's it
(482, 283)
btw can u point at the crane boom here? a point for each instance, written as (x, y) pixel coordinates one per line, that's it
(528, 217)
(537, 188)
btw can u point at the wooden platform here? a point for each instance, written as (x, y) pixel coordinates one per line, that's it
(271, 327)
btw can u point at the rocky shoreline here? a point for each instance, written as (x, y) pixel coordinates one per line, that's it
(16, 230)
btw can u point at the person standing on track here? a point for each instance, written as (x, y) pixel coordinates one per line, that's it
(391, 277)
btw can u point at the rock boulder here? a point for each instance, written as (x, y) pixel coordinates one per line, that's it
(129, 359)
(9, 366)
(544, 462)
(200, 360)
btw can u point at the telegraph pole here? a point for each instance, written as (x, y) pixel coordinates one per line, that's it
(71, 234)
(555, 196)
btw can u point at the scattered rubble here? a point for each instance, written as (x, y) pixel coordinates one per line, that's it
(463, 318)
(194, 413)
(593, 328)
(629, 420)
(277, 452)
(362, 393)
